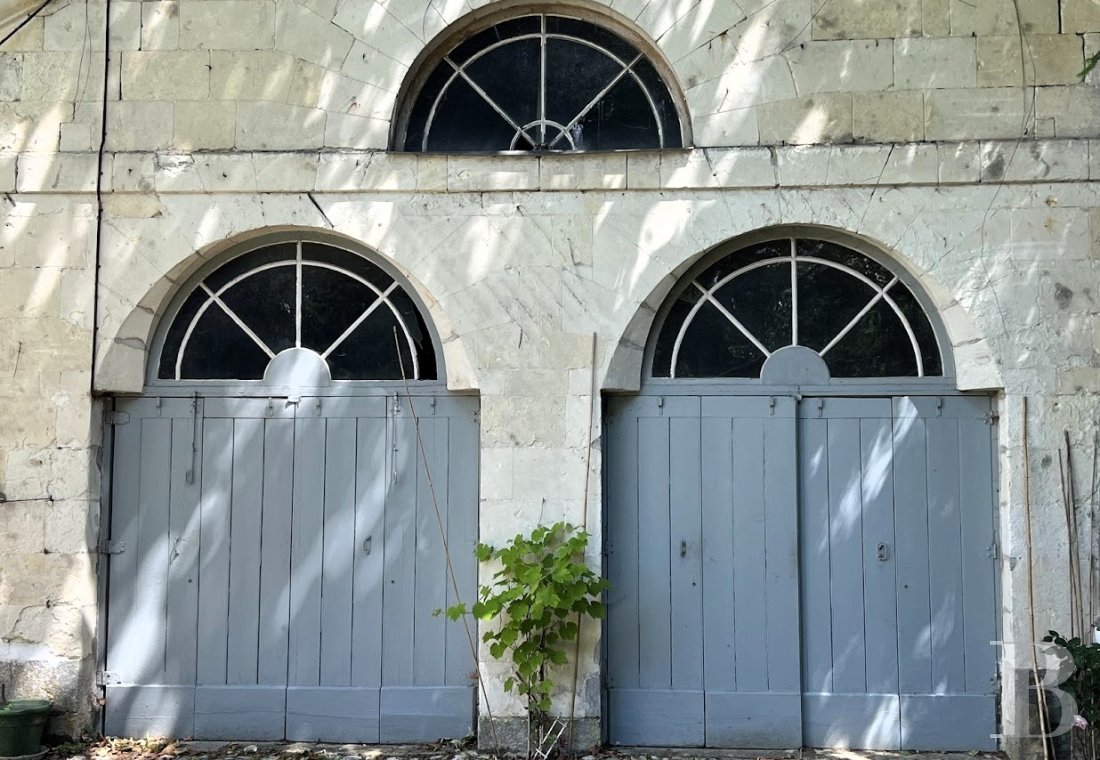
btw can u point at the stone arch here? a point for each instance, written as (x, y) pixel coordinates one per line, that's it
(975, 367)
(122, 355)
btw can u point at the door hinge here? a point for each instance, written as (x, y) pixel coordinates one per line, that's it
(106, 546)
(991, 418)
(106, 678)
(993, 552)
(112, 417)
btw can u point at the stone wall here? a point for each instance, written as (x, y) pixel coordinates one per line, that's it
(229, 118)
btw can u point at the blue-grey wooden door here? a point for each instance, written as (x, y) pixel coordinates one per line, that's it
(702, 645)
(280, 565)
(821, 578)
(898, 586)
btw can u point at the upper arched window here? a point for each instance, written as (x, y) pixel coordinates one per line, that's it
(539, 82)
(301, 309)
(811, 301)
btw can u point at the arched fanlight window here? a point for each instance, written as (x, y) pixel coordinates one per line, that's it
(543, 82)
(809, 298)
(295, 305)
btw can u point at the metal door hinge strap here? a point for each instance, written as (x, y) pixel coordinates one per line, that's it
(106, 678)
(107, 546)
(112, 417)
(993, 552)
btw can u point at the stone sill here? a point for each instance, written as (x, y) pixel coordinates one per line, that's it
(948, 163)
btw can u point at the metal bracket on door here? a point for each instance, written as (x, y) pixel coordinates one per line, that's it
(820, 406)
(367, 544)
(771, 405)
(189, 476)
(883, 552)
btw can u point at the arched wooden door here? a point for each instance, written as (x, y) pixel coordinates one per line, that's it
(278, 511)
(800, 521)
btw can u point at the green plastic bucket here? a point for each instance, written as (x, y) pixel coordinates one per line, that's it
(21, 724)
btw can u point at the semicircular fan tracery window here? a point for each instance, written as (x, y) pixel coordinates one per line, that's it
(542, 82)
(854, 313)
(302, 299)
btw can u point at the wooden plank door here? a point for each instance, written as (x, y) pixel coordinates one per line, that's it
(244, 554)
(702, 557)
(898, 582)
(152, 605)
(849, 606)
(369, 658)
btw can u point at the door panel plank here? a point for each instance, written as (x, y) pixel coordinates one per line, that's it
(655, 616)
(879, 582)
(152, 550)
(719, 624)
(400, 539)
(763, 720)
(326, 714)
(410, 714)
(430, 594)
(685, 501)
(339, 551)
(245, 527)
(846, 570)
(979, 550)
(214, 551)
(462, 468)
(945, 557)
(183, 539)
(817, 609)
(911, 521)
(658, 717)
(232, 712)
(307, 547)
(274, 602)
(781, 551)
(370, 498)
(622, 548)
(749, 535)
(858, 721)
(948, 722)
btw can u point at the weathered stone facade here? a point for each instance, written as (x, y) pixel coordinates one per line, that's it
(957, 136)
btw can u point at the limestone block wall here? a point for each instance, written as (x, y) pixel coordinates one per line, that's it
(955, 135)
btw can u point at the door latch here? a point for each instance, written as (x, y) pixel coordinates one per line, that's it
(883, 552)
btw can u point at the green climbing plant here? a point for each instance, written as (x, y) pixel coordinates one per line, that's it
(541, 592)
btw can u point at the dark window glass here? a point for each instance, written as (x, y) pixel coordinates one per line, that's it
(524, 104)
(465, 122)
(174, 337)
(267, 299)
(220, 350)
(237, 266)
(869, 268)
(761, 301)
(922, 328)
(828, 299)
(334, 296)
(331, 301)
(575, 77)
(712, 347)
(509, 75)
(756, 290)
(622, 119)
(877, 346)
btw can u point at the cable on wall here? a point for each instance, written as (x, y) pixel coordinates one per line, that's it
(97, 261)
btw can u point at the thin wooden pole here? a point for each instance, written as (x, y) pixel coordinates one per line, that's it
(446, 547)
(1031, 590)
(584, 526)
